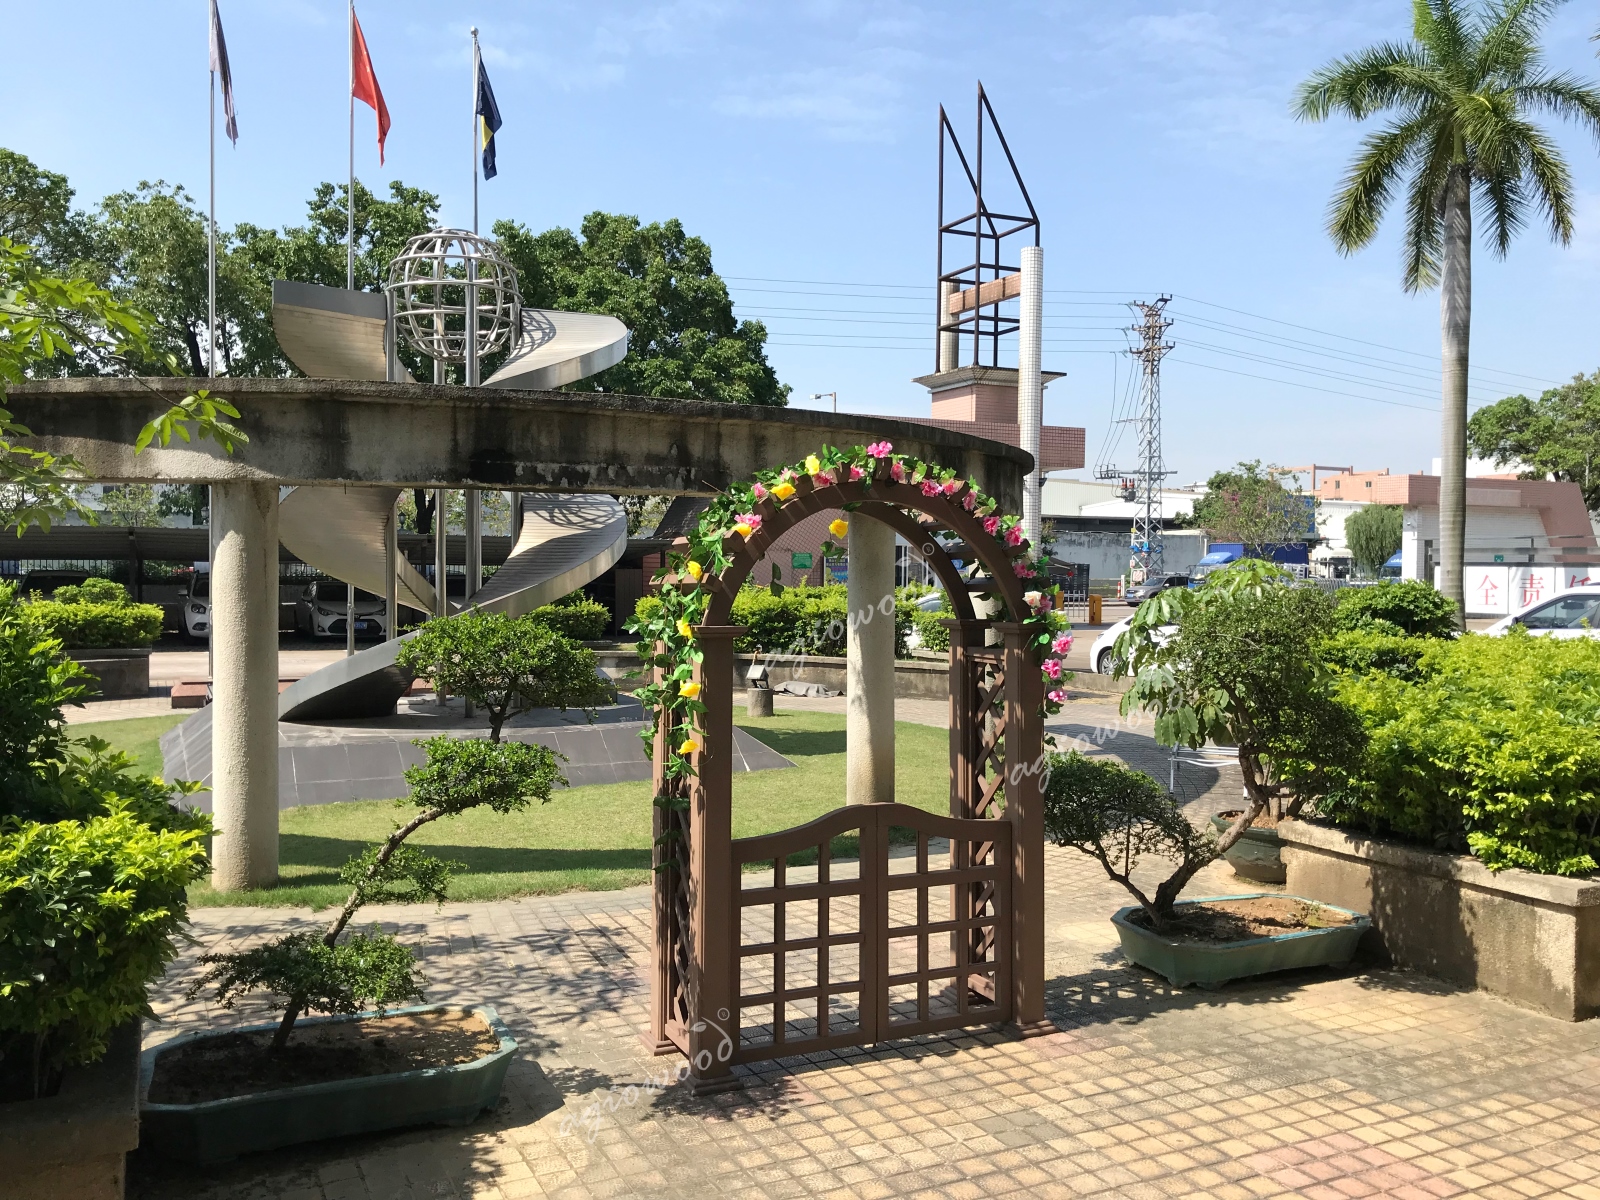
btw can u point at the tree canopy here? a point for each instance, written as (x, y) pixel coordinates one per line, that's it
(1373, 533)
(1558, 434)
(1251, 506)
(659, 282)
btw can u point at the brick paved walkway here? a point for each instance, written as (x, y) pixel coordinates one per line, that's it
(1318, 1085)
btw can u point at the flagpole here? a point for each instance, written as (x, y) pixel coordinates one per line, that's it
(350, 195)
(476, 60)
(210, 269)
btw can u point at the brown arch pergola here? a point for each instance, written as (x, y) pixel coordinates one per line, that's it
(996, 876)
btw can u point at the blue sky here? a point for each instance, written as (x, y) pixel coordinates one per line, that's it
(799, 140)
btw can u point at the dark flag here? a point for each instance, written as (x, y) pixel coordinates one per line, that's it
(219, 64)
(488, 120)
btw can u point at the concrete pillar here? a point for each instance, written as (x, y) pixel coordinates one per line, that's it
(1030, 385)
(391, 560)
(244, 712)
(474, 522)
(948, 346)
(869, 669)
(441, 557)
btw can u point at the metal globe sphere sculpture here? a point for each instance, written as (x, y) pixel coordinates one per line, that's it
(438, 279)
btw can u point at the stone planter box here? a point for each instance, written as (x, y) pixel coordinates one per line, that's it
(123, 674)
(1210, 964)
(217, 1130)
(1532, 939)
(72, 1144)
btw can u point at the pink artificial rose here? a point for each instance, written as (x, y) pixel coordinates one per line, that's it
(1023, 570)
(969, 501)
(990, 524)
(1052, 668)
(880, 449)
(823, 478)
(1057, 696)
(856, 473)
(896, 471)
(1014, 536)
(753, 520)
(760, 491)
(951, 488)
(1062, 644)
(930, 488)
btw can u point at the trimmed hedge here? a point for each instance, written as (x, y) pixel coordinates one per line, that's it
(94, 614)
(582, 620)
(799, 620)
(1411, 607)
(1360, 651)
(1491, 749)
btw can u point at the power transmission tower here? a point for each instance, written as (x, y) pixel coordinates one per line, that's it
(1143, 486)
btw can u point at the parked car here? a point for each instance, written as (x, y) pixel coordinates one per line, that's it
(931, 602)
(47, 581)
(1572, 614)
(1140, 592)
(1102, 655)
(321, 608)
(194, 602)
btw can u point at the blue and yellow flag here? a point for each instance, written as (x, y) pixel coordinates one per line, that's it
(488, 120)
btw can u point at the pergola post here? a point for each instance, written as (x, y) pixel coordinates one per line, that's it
(966, 722)
(244, 688)
(1024, 762)
(713, 932)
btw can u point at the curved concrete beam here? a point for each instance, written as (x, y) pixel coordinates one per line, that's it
(316, 431)
(331, 333)
(557, 348)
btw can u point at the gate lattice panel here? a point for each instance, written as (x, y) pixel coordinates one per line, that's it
(850, 952)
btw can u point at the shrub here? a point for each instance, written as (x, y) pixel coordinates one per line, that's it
(93, 614)
(1116, 816)
(90, 913)
(798, 620)
(1243, 669)
(1491, 749)
(1416, 608)
(1380, 646)
(580, 618)
(321, 973)
(499, 662)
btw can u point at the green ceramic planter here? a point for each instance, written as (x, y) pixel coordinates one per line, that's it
(1257, 855)
(1212, 964)
(217, 1130)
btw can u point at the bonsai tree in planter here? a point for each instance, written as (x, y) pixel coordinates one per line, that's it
(502, 663)
(322, 973)
(494, 661)
(1117, 816)
(1242, 668)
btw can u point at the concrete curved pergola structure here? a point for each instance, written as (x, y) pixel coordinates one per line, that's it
(355, 433)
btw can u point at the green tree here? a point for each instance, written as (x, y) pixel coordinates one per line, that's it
(1557, 434)
(659, 282)
(1463, 93)
(1373, 534)
(130, 504)
(1251, 506)
(36, 211)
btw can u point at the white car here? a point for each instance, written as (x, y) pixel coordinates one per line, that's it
(322, 608)
(194, 602)
(1572, 614)
(1101, 655)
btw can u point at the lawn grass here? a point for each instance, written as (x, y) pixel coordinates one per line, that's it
(138, 736)
(589, 838)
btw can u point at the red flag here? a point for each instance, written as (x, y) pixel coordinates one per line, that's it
(364, 82)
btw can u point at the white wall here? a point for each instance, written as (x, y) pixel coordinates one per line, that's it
(1107, 552)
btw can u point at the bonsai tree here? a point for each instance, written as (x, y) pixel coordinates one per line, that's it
(1242, 668)
(502, 663)
(1117, 816)
(321, 973)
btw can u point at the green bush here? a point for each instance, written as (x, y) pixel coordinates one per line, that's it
(93, 614)
(1378, 647)
(581, 619)
(1408, 606)
(90, 914)
(798, 620)
(1491, 749)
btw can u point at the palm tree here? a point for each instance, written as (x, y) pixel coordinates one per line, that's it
(1463, 94)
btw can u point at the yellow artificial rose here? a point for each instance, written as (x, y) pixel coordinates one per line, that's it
(694, 570)
(689, 746)
(813, 464)
(684, 629)
(743, 530)
(783, 490)
(838, 527)
(690, 689)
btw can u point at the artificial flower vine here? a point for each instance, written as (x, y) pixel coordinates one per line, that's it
(667, 635)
